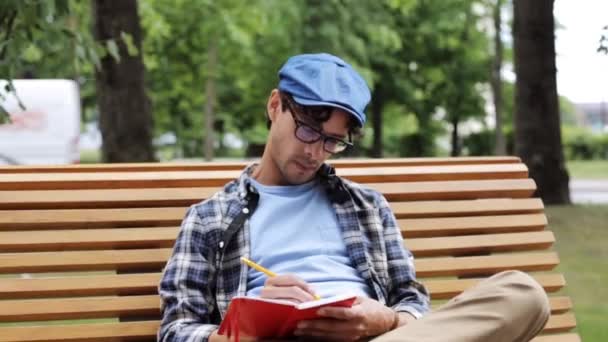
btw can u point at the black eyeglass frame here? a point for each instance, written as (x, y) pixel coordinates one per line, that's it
(320, 135)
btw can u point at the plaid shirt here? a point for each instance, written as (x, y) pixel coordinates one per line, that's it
(205, 271)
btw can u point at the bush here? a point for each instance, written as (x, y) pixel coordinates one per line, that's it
(416, 145)
(583, 144)
(479, 144)
(482, 143)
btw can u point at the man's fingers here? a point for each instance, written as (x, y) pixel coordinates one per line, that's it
(345, 314)
(324, 333)
(329, 326)
(289, 280)
(292, 293)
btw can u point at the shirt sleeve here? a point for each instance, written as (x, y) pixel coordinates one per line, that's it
(405, 293)
(186, 299)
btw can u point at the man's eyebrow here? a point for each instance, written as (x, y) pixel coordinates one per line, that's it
(319, 126)
(335, 135)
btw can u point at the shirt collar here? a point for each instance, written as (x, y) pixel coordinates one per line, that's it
(326, 175)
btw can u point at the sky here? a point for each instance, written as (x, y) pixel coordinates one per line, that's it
(582, 72)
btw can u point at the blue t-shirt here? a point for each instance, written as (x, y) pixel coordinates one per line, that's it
(294, 230)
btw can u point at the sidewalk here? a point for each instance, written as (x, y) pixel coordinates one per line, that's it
(584, 191)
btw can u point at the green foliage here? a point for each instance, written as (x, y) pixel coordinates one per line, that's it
(178, 34)
(480, 143)
(52, 39)
(583, 144)
(420, 58)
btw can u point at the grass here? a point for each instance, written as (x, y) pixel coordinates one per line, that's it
(581, 234)
(588, 169)
(90, 156)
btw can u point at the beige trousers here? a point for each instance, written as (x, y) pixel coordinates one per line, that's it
(507, 307)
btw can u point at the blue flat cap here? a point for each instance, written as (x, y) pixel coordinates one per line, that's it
(325, 80)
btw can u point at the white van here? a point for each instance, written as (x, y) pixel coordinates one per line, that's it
(47, 131)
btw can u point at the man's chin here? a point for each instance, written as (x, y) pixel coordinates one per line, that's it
(300, 177)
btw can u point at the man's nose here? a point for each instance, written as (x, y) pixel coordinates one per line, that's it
(315, 150)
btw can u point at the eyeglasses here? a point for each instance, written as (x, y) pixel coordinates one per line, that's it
(310, 135)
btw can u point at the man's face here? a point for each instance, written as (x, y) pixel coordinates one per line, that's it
(298, 161)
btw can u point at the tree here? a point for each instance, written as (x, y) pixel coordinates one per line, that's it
(537, 122)
(192, 93)
(500, 147)
(31, 30)
(125, 116)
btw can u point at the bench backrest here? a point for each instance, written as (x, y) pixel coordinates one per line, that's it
(88, 244)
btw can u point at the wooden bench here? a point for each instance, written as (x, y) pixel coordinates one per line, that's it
(82, 247)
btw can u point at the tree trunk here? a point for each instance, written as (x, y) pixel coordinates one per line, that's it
(125, 117)
(210, 95)
(376, 107)
(499, 137)
(537, 122)
(455, 140)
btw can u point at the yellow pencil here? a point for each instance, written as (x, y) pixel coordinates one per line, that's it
(265, 270)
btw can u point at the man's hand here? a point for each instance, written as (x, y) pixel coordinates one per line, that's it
(287, 287)
(367, 317)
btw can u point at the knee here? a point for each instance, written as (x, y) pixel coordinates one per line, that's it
(526, 294)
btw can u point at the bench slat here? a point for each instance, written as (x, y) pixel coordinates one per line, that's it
(155, 259)
(163, 216)
(572, 337)
(173, 197)
(162, 237)
(147, 329)
(448, 288)
(147, 283)
(490, 206)
(114, 307)
(79, 308)
(90, 218)
(427, 227)
(103, 332)
(480, 244)
(88, 239)
(560, 323)
(471, 225)
(558, 305)
(122, 180)
(102, 285)
(484, 265)
(239, 165)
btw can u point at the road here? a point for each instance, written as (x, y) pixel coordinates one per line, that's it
(589, 191)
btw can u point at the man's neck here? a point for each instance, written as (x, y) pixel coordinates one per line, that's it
(266, 172)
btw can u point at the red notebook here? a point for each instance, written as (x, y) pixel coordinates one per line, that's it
(268, 318)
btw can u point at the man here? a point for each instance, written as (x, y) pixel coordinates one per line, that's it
(323, 234)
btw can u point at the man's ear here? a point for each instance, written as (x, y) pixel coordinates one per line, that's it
(273, 107)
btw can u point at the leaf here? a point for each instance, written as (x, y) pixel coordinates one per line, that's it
(127, 38)
(32, 53)
(5, 118)
(112, 49)
(80, 52)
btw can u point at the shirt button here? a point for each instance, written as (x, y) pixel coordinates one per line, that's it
(221, 244)
(245, 210)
